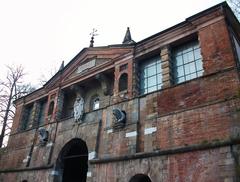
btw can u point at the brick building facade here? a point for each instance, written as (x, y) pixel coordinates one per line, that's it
(166, 108)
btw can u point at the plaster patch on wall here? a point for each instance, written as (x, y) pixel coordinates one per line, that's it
(151, 130)
(26, 159)
(50, 144)
(109, 131)
(87, 65)
(131, 134)
(89, 174)
(91, 155)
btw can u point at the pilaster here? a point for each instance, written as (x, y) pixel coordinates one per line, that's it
(166, 67)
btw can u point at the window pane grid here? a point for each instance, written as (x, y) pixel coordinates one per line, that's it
(187, 62)
(150, 75)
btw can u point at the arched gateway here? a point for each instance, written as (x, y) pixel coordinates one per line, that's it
(72, 162)
(140, 178)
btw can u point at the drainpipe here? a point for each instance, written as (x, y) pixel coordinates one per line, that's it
(98, 137)
(56, 114)
(29, 157)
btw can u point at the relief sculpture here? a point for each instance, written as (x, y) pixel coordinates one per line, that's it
(78, 109)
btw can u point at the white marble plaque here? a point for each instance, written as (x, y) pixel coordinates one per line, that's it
(87, 65)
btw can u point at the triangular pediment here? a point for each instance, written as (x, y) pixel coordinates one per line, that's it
(88, 60)
(82, 67)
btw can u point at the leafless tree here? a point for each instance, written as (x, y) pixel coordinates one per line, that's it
(49, 74)
(11, 89)
(235, 5)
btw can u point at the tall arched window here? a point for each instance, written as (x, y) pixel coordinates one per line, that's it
(41, 113)
(187, 62)
(123, 82)
(150, 75)
(27, 116)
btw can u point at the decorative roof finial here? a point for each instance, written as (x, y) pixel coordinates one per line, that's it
(92, 38)
(128, 39)
(62, 66)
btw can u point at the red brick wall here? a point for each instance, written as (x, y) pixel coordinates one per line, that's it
(216, 165)
(199, 111)
(117, 75)
(216, 47)
(14, 159)
(17, 118)
(21, 140)
(216, 87)
(197, 126)
(201, 125)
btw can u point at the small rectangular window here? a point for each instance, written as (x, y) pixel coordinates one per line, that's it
(187, 62)
(150, 75)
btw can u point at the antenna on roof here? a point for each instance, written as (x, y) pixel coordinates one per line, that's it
(93, 34)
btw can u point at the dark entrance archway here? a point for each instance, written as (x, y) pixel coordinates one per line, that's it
(72, 162)
(140, 178)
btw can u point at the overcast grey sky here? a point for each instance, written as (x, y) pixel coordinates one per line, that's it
(40, 34)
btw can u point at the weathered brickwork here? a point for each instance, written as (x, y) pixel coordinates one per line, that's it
(187, 131)
(32, 176)
(218, 87)
(211, 165)
(216, 47)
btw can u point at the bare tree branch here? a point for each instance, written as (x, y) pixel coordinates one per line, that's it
(11, 88)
